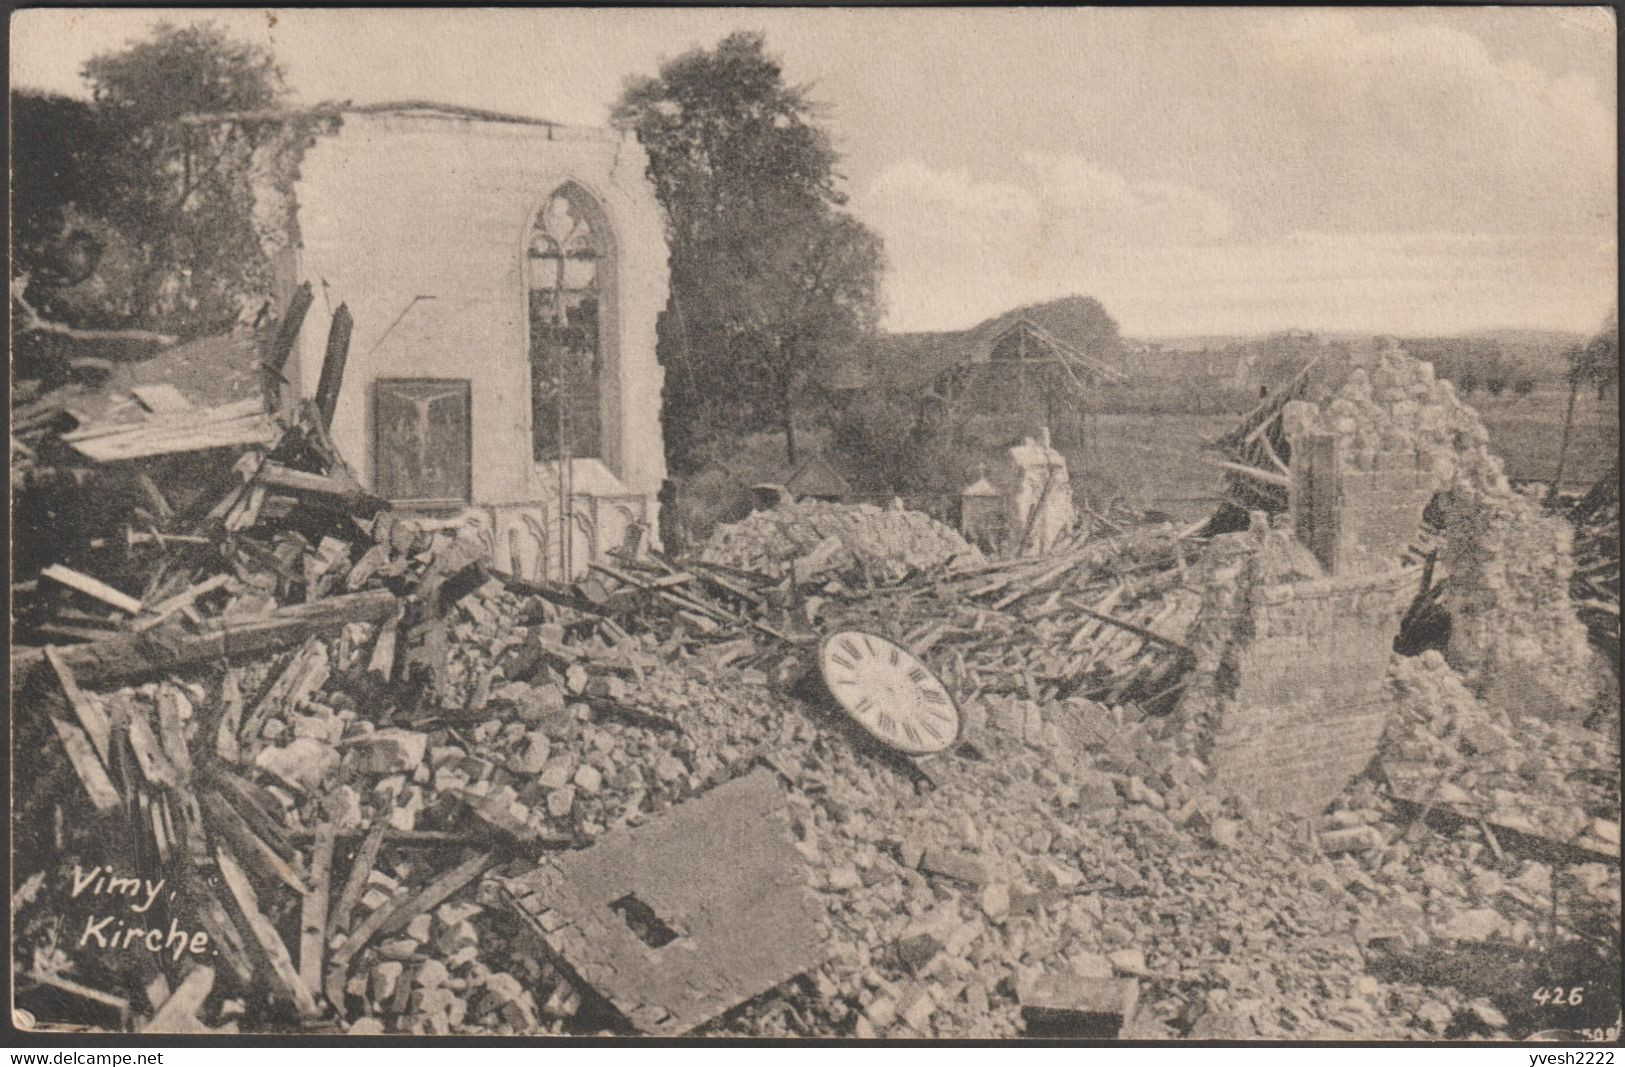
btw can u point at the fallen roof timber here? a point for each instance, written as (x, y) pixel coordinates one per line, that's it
(140, 655)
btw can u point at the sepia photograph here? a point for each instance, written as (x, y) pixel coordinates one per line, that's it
(830, 524)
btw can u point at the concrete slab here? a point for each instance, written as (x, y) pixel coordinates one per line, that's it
(678, 920)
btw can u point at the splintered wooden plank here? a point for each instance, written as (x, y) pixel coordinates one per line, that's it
(161, 612)
(366, 854)
(92, 587)
(225, 821)
(178, 1014)
(338, 351)
(255, 429)
(231, 719)
(392, 919)
(283, 976)
(82, 755)
(149, 754)
(161, 398)
(313, 908)
(85, 707)
(173, 709)
(302, 675)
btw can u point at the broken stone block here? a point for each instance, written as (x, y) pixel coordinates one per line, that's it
(588, 779)
(558, 771)
(675, 921)
(1474, 924)
(1070, 1005)
(381, 983)
(917, 1009)
(390, 751)
(457, 937)
(918, 950)
(996, 901)
(1353, 839)
(956, 865)
(531, 755)
(561, 801)
(670, 769)
(431, 974)
(1128, 961)
(843, 877)
(304, 763)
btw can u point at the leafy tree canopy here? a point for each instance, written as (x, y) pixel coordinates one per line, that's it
(129, 216)
(768, 275)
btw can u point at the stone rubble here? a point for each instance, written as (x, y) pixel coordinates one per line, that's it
(1071, 853)
(860, 542)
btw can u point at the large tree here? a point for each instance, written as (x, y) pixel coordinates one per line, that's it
(137, 210)
(768, 275)
(182, 190)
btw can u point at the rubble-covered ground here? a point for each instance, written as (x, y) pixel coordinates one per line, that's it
(345, 814)
(1033, 847)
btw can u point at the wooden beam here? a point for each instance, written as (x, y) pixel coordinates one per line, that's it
(366, 854)
(341, 491)
(129, 656)
(389, 918)
(338, 351)
(1269, 477)
(82, 754)
(284, 978)
(287, 331)
(178, 1015)
(92, 587)
(90, 714)
(313, 908)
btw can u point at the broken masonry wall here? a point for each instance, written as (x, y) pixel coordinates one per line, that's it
(403, 205)
(1287, 702)
(1354, 517)
(1505, 563)
(1514, 635)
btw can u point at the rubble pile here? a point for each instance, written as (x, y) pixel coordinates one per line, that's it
(1513, 770)
(398, 792)
(861, 542)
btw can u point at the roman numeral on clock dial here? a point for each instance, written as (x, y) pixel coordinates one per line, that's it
(891, 694)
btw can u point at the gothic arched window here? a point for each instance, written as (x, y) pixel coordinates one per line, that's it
(568, 260)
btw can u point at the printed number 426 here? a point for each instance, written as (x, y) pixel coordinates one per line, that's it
(1557, 994)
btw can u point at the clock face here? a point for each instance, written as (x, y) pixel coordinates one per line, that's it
(889, 692)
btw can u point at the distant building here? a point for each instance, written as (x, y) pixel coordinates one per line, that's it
(1041, 361)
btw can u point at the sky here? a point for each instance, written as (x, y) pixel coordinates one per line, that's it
(1199, 171)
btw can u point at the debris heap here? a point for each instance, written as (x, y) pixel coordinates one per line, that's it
(861, 542)
(398, 792)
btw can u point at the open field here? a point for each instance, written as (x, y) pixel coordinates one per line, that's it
(1526, 432)
(1158, 462)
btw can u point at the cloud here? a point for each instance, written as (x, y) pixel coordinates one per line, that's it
(1416, 124)
(1164, 258)
(998, 243)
